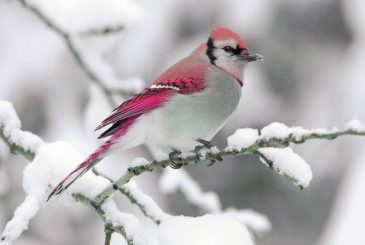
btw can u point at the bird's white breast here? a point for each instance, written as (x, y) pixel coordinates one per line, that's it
(186, 118)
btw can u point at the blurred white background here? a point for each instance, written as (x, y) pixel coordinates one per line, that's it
(312, 76)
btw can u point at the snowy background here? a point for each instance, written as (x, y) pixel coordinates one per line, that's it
(312, 76)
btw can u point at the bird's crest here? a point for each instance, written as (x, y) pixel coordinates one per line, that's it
(223, 33)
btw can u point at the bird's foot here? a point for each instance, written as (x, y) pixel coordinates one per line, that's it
(205, 144)
(174, 156)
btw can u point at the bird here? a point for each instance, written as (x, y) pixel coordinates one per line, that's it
(183, 108)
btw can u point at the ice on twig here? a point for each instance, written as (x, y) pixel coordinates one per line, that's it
(138, 162)
(275, 130)
(203, 152)
(242, 138)
(281, 131)
(204, 230)
(323, 131)
(355, 125)
(132, 227)
(149, 205)
(10, 125)
(254, 221)
(285, 162)
(173, 180)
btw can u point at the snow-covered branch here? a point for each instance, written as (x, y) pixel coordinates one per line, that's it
(50, 161)
(123, 223)
(136, 196)
(18, 141)
(207, 202)
(108, 230)
(248, 141)
(212, 229)
(102, 77)
(180, 181)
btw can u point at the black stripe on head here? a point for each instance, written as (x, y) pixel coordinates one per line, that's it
(238, 50)
(210, 48)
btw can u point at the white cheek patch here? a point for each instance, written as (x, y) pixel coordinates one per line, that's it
(227, 61)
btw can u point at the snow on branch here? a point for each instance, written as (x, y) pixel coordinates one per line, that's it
(22, 215)
(102, 77)
(123, 223)
(275, 135)
(129, 225)
(179, 180)
(208, 202)
(212, 229)
(51, 162)
(285, 162)
(136, 196)
(18, 141)
(256, 222)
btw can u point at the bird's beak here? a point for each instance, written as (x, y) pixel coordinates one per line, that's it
(251, 57)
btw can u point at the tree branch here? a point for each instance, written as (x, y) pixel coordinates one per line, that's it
(98, 209)
(218, 156)
(108, 230)
(14, 148)
(18, 141)
(10, 124)
(181, 182)
(26, 144)
(76, 53)
(135, 195)
(102, 31)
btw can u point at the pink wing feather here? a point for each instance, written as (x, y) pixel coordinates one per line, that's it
(138, 104)
(181, 78)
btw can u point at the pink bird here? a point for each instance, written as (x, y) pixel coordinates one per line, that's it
(186, 105)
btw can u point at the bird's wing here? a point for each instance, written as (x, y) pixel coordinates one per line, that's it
(138, 104)
(182, 78)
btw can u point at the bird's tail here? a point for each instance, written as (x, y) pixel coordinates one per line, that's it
(83, 167)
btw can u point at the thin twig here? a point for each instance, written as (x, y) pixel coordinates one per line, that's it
(132, 198)
(102, 31)
(78, 197)
(108, 230)
(76, 53)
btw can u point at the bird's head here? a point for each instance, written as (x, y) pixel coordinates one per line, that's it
(227, 50)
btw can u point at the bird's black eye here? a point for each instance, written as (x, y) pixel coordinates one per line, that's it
(228, 49)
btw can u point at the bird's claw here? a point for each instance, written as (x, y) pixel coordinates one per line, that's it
(205, 144)
(173, 156)
(197, 150)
